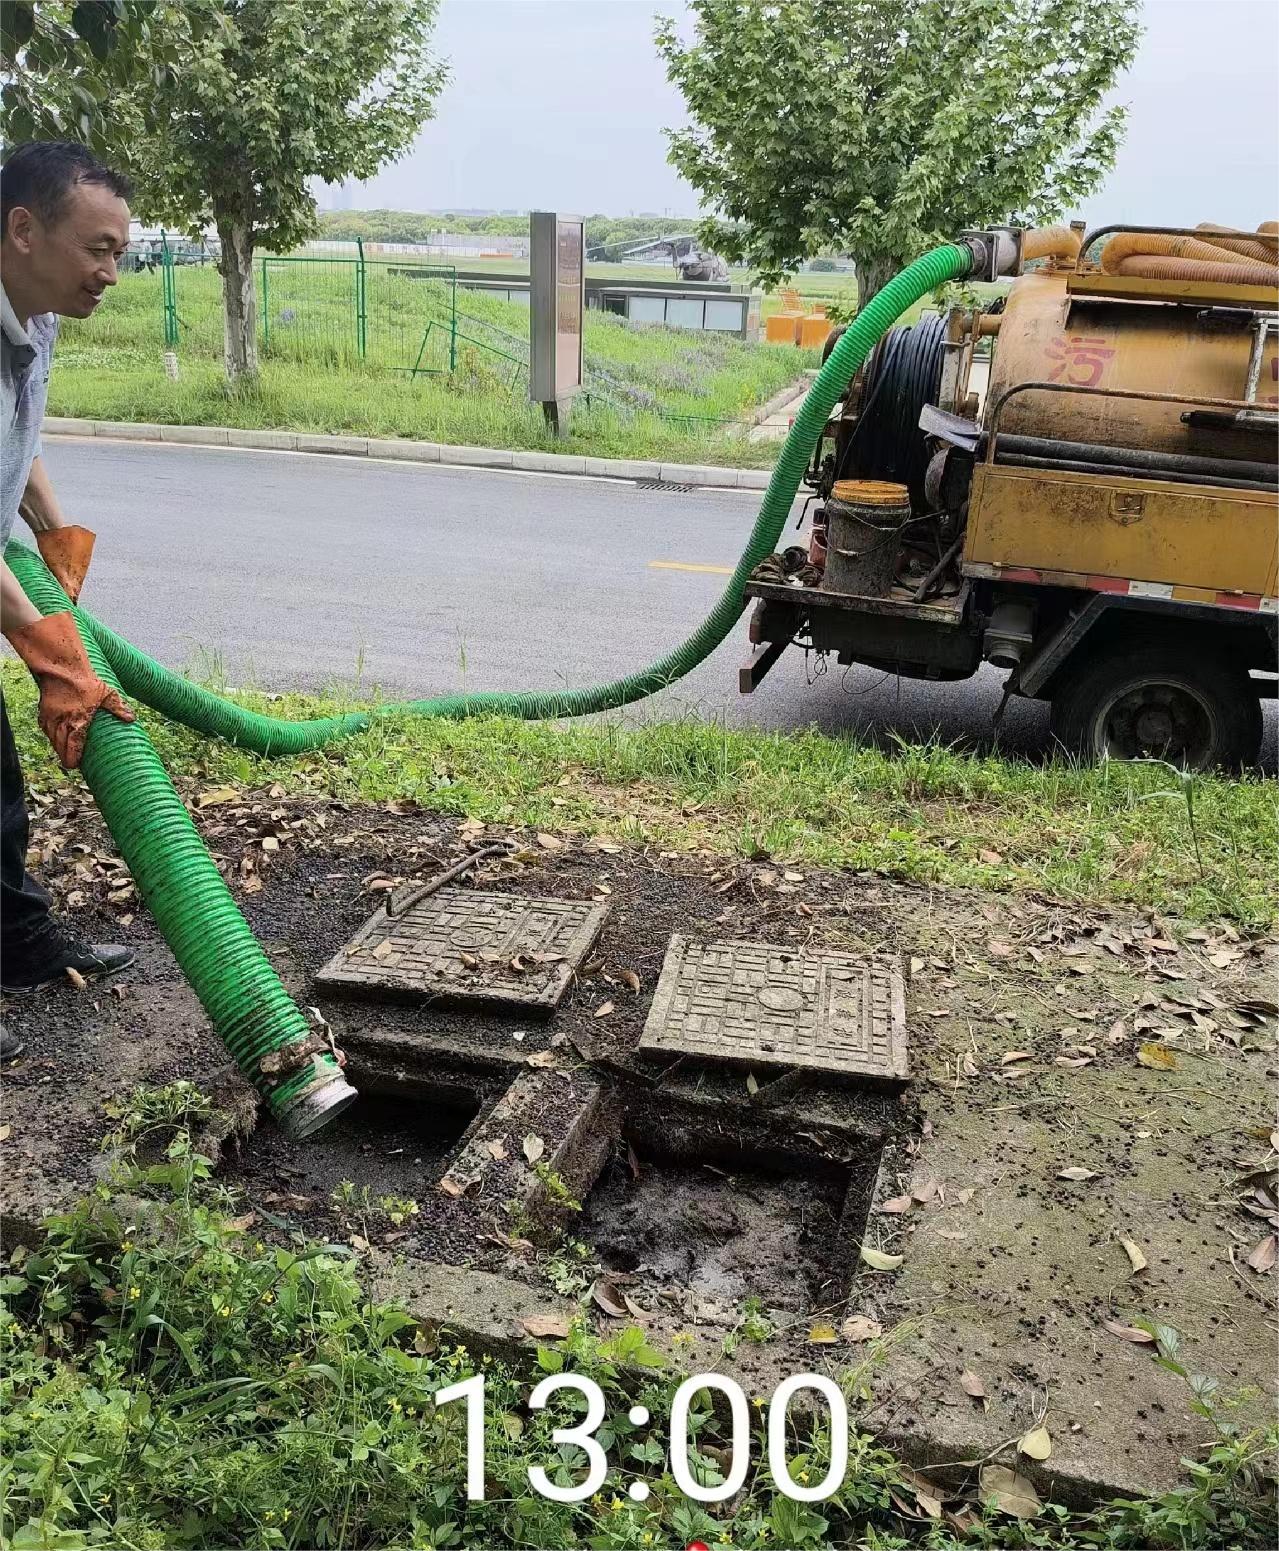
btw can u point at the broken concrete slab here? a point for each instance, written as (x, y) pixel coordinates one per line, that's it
(541, 1147)
(463, 945)
(767, 1005)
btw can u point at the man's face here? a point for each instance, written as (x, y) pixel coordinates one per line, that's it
(69, 262)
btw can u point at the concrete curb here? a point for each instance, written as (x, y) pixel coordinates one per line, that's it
(701, 475)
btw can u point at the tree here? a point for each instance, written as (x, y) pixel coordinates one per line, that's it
(270, 94)
(880, 127)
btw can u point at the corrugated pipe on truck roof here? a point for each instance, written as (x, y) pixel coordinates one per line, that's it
(1050, 242)
(1161, 256)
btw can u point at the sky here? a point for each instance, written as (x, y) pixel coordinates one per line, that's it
(560, 104)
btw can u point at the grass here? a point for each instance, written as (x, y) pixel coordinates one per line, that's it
(1111, 834)
(169, 1382)
(651, 392)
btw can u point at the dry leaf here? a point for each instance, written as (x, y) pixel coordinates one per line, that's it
(1263, 1256)
(1012, 1493)
(545, 1327)
(752, 1085)
(924, 1193)
(991, 858)
(534, 1147)
(1075, 1172)
(1009, 1056)
(384, 949)
(497, 1150)
(823, 1335)
(999, 950)
(1036, 1444)
(1129, 1333)
(550, 843)
(608, 1298)
(972, 1385)
(897, 1204)
(541, 1058)
(5, 1133)
(1135, 1256)
(469, 961)
(240, 1224)
(1158, 1057)
(603, 1010)
(216, 795)
(860, 1328)
(630, 980)
(76, 978)
(878, 1261)
(452, 1186)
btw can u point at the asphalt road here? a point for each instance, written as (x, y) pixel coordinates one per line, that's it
(290, 570)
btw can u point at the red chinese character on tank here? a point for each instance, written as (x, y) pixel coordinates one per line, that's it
(1081, 359)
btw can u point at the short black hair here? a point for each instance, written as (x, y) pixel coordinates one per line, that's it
(41, 174)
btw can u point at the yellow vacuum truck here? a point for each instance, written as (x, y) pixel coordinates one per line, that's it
(1101, 521)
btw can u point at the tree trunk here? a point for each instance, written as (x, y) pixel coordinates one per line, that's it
(873, 274)
(239, 303)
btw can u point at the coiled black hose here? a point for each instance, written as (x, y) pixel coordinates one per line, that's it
(902, 375)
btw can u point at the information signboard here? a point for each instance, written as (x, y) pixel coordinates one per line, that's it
(557, 275)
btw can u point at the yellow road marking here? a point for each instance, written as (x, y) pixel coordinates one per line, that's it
(680, 565)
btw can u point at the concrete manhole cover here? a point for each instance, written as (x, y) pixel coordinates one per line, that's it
(460, 945)
(762, 1005)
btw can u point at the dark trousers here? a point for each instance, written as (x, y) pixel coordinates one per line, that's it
(27, 928)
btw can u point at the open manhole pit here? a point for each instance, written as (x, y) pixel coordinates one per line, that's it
(703, 1235)
(359, 1173)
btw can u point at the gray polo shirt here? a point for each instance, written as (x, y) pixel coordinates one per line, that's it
(26, 358)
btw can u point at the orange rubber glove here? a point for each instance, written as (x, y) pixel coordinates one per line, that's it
(67, 552)
(70, 691)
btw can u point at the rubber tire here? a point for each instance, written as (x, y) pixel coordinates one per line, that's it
(1082, 696)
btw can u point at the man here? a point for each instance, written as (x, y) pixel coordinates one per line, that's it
(64, 224)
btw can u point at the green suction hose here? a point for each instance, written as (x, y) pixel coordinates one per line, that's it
(176, 877)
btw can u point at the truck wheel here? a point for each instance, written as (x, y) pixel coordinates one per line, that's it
(1158, 701)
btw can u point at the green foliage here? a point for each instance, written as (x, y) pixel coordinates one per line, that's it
(63, 62)
(411, 226)
(880, 127)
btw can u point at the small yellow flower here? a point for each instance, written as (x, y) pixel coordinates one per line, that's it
(616, 1505)
(803, 1476)
(269, 1514)
(268, 1297)
(412, 1410)
(126, 1245)
(105, 1497)
(135, 1292)
(758, 1401)
(597, 1500)
(225, 1311)
(259, 1247)
(647, 1538)
(288, 1514)
(395, 1405)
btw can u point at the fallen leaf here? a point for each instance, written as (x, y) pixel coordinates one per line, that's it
(752, 1084)
(861, 1328)
(1076, 1172)
(878, 1261)
(1012, 1493)
(916, 965)
(823, 1335)
(1129, 1333)
(76, 978)
(603, 1010)
(1009, 1056)
(991, 858)
(451, 1185)
(929, 1505)
(1036, 1444)
(384, 949)
(897, 1204)
(469, 961)
(608, 1298)
(497, 1150)
(999, 950)
(971, 1384)
(926, 1192)
(1135, 1256)
(216, 795)
(1263, 1256)
(544, 1327)
(5, 1133)
(1158, 1057)
(541, 1058)
(550, 843)
(534, 1147)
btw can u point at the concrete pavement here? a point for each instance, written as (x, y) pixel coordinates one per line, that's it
(293, 570)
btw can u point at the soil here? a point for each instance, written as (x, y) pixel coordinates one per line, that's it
(1044, 1036)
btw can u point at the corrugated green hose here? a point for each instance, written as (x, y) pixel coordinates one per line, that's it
(176, 877)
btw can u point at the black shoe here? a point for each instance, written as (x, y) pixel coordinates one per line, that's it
(10, 1045)
(93, 961)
